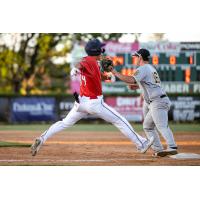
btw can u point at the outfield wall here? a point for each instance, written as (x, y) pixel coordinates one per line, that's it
(48, 109)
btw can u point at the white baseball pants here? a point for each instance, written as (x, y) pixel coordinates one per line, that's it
(100, 109)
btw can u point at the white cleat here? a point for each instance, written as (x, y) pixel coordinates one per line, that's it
(36, 146)
(148, 144)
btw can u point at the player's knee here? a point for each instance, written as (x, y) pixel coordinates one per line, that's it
(65, 124)
(147, 126)
(116, 122)
(162, 127)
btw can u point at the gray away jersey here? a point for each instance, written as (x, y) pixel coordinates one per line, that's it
(149, 81)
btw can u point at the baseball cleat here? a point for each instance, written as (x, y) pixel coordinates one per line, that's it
(36, 146)
(167, 152)
(148, 144)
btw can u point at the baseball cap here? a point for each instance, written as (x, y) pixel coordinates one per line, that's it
(94, 47)
(144, 53)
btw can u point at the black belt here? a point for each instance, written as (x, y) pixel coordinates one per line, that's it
(162, 96)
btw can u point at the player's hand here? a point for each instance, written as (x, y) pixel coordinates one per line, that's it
(111, 77)
(74, 71)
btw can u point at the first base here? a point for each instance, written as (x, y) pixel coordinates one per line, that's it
(186, 156)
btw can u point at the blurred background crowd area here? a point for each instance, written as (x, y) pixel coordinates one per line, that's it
(35, 81)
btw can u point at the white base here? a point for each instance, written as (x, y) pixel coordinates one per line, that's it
(186, 156)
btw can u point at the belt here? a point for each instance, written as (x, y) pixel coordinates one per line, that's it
(162, 96)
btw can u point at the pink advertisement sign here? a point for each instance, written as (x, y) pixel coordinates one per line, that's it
(129, 107)
(116, 47)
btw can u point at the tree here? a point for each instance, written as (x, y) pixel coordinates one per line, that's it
(21, 61)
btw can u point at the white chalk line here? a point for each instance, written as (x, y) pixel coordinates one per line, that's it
(86, 160)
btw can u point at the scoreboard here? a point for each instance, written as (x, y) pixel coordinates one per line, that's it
(171, 66)
(177, 63)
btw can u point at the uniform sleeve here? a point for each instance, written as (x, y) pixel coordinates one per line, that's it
(82, 64)
(140, 74)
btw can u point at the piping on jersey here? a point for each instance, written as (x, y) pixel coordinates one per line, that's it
(147, 97)
(104, 105)
(149, 83)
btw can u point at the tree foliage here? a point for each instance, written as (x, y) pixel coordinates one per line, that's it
(27, 62)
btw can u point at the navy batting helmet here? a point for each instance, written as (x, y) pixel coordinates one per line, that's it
(94, 47)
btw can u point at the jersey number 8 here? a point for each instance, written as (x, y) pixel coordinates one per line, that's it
(156, 77)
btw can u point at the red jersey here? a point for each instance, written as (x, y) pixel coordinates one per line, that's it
(90, 78)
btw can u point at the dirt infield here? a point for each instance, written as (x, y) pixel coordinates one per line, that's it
(91, 149)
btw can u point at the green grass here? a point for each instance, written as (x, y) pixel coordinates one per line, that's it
(186, 127)
(13, 144)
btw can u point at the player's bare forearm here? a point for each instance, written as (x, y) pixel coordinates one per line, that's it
(126, 79)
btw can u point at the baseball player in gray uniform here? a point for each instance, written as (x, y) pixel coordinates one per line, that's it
(157, 103)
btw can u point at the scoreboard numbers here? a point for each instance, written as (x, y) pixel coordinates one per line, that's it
(134, 60)
(191, 60)
(172, 60)
(187, 75)
(128, 71)
(155, 60)
(118, 60)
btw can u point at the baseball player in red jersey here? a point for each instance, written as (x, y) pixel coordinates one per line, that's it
(90, 101)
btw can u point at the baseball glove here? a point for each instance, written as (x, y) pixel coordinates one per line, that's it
(107, 64)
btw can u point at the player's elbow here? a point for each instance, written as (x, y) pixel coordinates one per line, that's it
(130, 80)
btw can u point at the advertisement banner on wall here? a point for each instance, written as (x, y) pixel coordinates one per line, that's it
(64, 105)
(117, 47)
(38, 109)
(161, 46)
(33, 109)
(129, 107)
(185, 109)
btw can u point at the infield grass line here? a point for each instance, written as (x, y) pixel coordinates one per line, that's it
(186, 127)
(13, 144)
